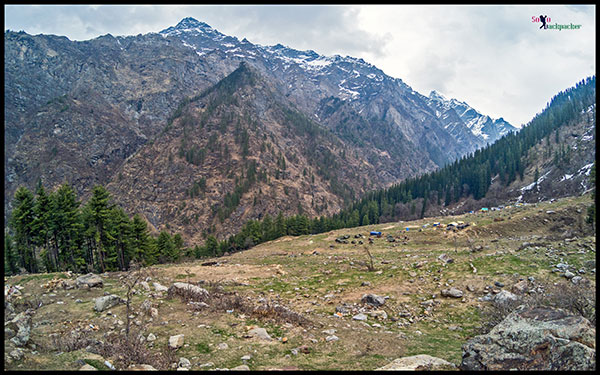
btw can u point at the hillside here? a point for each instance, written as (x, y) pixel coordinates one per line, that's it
(314, 286)
(240, 151)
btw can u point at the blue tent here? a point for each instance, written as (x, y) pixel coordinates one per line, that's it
(373, 233)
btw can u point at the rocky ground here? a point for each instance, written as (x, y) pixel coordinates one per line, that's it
(415, 299)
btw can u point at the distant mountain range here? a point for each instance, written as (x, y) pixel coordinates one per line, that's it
(199, 131)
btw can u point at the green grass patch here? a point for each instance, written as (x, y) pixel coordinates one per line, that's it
(203, 348)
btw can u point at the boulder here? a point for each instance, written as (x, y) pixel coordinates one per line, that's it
(534, 338)
(505, 297)
(373, 300)
(260, 333)
(159, 287)
(176, 342)
(241, 368)
(422, 362)
(452, 292)
(185, 289)
(20, 325)
(90, 281)
(106, 302)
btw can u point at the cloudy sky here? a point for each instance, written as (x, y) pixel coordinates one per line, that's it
(495, 58)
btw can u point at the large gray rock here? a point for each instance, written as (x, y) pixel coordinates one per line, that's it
(421, 362)
(106, 302)
(259, 333)
(373, 300)
(534, 338)
(90, 280)
(176, 342)
(452, 292)
(20, 325)
(188, 289)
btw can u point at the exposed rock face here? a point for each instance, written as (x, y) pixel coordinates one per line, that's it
(421, 362)
(534, 338)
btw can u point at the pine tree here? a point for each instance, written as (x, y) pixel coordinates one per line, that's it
(99, 212)
(10, 257)
(23, 217)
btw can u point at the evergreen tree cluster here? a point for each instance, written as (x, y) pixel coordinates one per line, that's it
(51, 232)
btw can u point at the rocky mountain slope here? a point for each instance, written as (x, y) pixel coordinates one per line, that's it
(466, 123)
(82, 111)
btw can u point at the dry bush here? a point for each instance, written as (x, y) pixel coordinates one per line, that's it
(68, 342)
(126, 352)
(577, 299)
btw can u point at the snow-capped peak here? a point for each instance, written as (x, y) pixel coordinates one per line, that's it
(190, 25)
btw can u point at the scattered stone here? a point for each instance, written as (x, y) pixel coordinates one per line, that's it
(223, 346)
(445, 258)
(247, 357)
(498, 284)
(569, 275)
(331, 338)
(176, 342)
(361, 317)
(534, 338)
(576, 280)
(452, 292)
(418, 362)
(151, 337)
(241, 368)
(184, 362)
(520, 287)
(20, 325)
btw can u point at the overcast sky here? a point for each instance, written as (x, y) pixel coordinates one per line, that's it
(492, 57)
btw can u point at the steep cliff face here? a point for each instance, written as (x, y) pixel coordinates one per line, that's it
(123, 112)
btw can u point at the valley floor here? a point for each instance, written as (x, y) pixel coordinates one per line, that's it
(324, 281)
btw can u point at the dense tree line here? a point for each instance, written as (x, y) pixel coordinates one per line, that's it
(55, 232)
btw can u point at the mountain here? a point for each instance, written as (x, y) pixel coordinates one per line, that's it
(550, 157)
(466, 123)
(92, 112)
